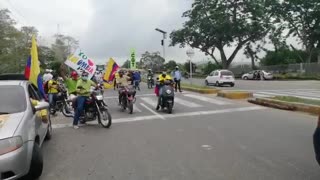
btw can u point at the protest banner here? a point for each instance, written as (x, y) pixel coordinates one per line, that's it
(80, 62)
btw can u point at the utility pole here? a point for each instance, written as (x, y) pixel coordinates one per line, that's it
(164, 33)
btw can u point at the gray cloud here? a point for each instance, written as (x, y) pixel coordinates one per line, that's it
(117, 26)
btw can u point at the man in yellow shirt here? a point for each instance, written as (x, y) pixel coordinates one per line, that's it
(83, 91)
(122, 82)
(162, 78)
(53, 90)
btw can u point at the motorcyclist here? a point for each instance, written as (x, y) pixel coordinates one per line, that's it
(162, 78)
(71, 83)
(122, 82)
(150, 74)
(83, 90)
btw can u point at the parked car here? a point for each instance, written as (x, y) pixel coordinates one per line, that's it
(316, 141)
(256, 75)
(22, 129)
(220, 77)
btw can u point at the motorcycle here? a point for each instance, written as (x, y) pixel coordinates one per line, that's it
(167, 96)
(127, 99)
(62, 104)
(96, 109)
(150, 82)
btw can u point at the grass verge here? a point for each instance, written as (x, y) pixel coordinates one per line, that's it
(297, 100)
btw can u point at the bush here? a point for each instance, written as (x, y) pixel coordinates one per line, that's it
(210, 67)
(295, 76)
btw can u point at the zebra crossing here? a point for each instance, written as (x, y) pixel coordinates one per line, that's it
(313, 94)
(184, 101)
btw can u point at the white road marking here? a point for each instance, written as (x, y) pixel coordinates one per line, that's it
(153, 117)
(150, 101)
(139, 95)
(136, 109)
(207, 99)
(207, 147)
(186, 103)
(288, 94)
(152, 111)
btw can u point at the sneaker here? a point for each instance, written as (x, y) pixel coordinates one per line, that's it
(157, 108)
(75, 127)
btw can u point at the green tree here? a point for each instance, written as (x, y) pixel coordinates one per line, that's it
(63, 47)
(46, 56)
(8, 42)
(126, 64)
(284, 56)
(302, 18)
(187, 66)
(210, 67)
(171, 65)
(221, 24)
(152, 61)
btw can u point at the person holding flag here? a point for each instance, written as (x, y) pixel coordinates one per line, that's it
(32, 69)
(109, 76)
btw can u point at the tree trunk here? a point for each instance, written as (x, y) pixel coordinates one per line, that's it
(253, 66)
(224, 60)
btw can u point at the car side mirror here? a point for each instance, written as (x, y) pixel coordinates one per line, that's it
(41, 105)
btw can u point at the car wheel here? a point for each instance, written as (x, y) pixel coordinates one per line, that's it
(206, 82)
(232, 85)
(36, 165)
(245, 78)
(218, 84)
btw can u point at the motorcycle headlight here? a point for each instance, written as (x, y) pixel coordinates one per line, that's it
(99, 97)
(168, 91)
(10, 144)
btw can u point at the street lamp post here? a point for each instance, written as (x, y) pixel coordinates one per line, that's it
(190, 54)
(163, 41)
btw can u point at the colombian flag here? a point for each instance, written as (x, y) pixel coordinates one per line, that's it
(109, 75)
(32, 69)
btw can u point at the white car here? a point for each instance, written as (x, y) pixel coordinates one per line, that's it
(220, 77)
(250, 75)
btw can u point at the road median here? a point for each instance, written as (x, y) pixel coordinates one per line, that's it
(286, 105)
(201, 90)
(235, 94)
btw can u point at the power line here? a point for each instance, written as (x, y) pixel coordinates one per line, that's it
(20, 16)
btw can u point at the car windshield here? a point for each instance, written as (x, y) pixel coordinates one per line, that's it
(226, 73)
(13, 99)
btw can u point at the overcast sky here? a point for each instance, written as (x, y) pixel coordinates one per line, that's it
(107, 28)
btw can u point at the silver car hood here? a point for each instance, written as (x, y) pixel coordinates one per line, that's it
(9, 123)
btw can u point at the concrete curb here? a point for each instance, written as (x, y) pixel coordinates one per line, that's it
(235, 94)
(201, 90)
(291, 106)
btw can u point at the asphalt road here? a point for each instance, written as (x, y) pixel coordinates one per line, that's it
(205, 138)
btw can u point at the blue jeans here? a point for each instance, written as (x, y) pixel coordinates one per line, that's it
(52, 99)
(80, 106)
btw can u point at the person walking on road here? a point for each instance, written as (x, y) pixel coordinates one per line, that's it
(136, 80)
(177, 79)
